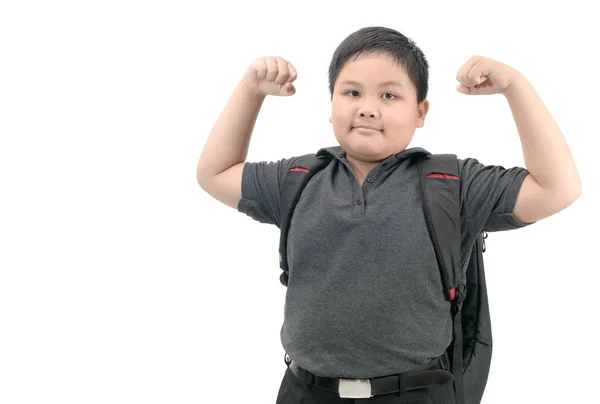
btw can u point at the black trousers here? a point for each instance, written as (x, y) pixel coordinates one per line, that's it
(295, 391)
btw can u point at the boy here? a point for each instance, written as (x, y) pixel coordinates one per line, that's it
(363, 298)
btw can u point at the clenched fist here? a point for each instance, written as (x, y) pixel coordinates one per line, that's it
(271, 76)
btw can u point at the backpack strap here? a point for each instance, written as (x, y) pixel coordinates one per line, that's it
(293, 184)
(440, 188)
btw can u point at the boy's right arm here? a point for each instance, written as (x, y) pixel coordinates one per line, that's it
(222, 161)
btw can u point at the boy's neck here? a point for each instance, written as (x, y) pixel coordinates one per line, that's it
(361, 168)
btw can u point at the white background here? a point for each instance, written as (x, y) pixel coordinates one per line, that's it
(121, 281)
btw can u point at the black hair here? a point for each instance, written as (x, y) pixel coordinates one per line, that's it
(382, 41)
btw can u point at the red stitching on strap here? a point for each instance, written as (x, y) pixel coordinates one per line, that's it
(447, 176)
(304, 170)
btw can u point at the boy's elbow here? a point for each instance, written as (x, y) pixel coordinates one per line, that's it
(573, 192)
(203, 182)
(202, 176)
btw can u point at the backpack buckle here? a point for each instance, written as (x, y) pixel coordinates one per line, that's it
(458, 294)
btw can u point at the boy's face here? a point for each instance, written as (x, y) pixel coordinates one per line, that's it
(373, 99)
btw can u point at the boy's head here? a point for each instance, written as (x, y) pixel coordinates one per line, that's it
(362, 73)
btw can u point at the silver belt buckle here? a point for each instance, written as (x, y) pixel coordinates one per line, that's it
(355, 388)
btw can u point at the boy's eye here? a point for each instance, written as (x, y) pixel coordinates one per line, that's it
(387, 96)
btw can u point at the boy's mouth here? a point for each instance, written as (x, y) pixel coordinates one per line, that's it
(366, 129)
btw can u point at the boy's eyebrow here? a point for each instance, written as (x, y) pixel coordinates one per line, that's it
(385, 83)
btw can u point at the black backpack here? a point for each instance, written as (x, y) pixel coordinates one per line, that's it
(470, 352)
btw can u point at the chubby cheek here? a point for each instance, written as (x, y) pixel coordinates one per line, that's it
(342, 129)
(342, 120)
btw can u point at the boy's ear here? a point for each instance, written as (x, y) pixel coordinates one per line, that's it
(330, 121)
(423, 108)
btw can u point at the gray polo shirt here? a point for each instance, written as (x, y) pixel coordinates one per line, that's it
(364, 297)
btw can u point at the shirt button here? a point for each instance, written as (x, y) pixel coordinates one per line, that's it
(371, 179)
(359, 201)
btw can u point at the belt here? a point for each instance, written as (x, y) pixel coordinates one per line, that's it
(430, 375)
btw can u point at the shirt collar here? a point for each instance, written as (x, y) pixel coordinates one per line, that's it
(339, 153)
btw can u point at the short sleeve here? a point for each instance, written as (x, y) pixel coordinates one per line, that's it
(489, 194)
(261, 189)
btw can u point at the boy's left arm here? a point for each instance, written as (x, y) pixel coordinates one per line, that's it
(553, 182)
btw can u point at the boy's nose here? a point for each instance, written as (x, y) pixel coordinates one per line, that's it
(369, 113)
(368, 110)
